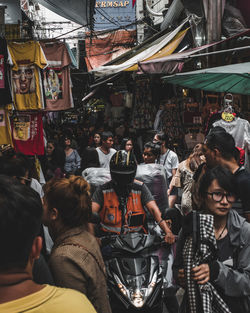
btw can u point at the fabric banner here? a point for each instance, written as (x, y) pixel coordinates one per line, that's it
(154, 47)
(5, 132)
(27, 133)
(105, 48)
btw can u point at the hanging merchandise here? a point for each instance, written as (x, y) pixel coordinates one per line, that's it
(171, 124)
(5, 132)
(228, 114)
(27, 133)
(240, 130)
(191, 115)
(56, 77)
(28, 58)
(5, 94)
(144, 111)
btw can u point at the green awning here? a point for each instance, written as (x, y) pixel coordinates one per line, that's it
(233, 78)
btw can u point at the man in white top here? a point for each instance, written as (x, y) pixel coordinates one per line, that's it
(105, 151)
(169, 160)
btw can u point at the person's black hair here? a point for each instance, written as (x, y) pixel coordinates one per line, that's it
(217, 129)
(20, 220)
(155, 148)
(15, 166)
(222, 141)
(163, 137)
(106, 135)
(224, 177)
(124, 142)
(90, 158)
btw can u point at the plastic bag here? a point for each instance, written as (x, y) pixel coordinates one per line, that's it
(96, 176)
(154, 177)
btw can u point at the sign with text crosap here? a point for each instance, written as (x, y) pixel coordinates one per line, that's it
(114, 14)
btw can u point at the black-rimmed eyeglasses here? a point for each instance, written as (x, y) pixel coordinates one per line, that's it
(218, 196)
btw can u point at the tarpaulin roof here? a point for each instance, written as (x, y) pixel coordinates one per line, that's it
(145, 52)
(78, 11)
(171, 63)
(174, 63)
(233, 78)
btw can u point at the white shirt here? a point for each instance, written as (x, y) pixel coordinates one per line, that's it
(104, 159)
(170, 161)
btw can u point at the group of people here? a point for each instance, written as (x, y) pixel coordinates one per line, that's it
(50, 244)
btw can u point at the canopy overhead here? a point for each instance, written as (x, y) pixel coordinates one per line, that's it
(169, 64)
(173, 63)
(233, 78)
(81, 12)
(144, 53)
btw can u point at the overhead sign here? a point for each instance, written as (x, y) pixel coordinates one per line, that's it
(114, 14)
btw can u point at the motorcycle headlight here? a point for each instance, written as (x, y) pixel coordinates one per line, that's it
(137, 296)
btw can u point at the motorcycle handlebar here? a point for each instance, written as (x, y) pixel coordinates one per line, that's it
(112, 238)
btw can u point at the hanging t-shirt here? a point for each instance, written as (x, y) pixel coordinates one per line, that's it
(5, 132)
(57, 82)
(27, 133)
(5, 58)
(28, 58)
(240, 130)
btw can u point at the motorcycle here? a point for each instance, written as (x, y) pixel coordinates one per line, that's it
(134, 273)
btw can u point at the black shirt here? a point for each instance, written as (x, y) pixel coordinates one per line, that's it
(225, 251)
(242, 188)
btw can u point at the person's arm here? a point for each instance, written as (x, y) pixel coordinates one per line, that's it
(78, 159)
(97, 203)
(149, 202)
(227, 278)
(174, 163)
(155, 211)
(95, 209)
(175, 181)
(174, 171)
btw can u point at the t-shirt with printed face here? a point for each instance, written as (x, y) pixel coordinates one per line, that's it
(56, 77)
(28, 58)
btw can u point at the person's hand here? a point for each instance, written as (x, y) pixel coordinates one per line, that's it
(201, 274)
(169, 237)
(181, 278)
(194, 161)
(169, 191)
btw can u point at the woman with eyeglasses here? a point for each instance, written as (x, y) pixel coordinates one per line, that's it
(229, 271)
(127, 144)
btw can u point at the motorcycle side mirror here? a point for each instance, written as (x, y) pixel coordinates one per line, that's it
(176, 218)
